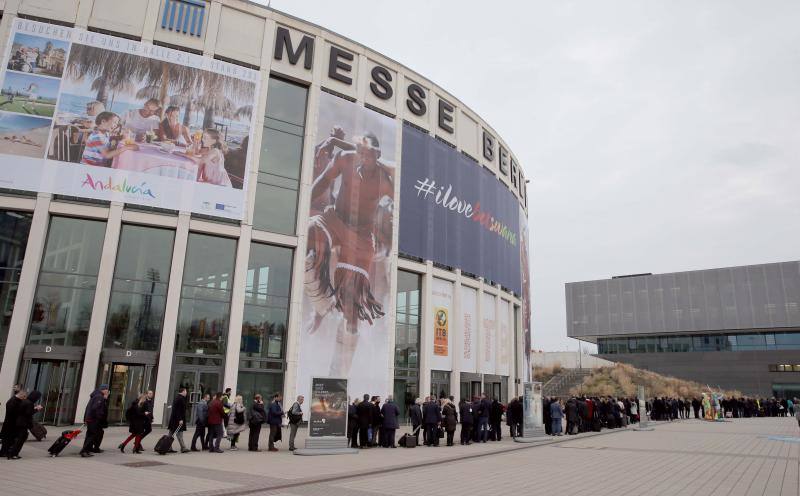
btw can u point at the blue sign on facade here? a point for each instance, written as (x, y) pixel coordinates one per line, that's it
(455, 212)
(185, 16)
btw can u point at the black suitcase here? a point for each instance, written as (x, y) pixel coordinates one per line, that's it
(164, 444)
(408, 441)
(62, 442)
(38, 431)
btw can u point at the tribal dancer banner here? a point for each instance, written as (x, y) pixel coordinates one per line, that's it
(345, 331)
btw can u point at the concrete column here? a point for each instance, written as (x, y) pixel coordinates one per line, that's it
(167, 351)
(97, 323)
(83, 14)
(151, 20)
(26, 290)
(456, 338)
(426, 330)
(212, 28)
(237, 309)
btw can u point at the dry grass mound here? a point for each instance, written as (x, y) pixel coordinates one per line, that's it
(623, 380)
(544, 374)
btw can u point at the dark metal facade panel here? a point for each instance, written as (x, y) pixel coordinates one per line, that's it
(765, 296)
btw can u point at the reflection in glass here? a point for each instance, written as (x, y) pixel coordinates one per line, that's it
(407, 326)
(266, 309)
(62, 306)
(205, 295)
(139, 290)
(14, 229)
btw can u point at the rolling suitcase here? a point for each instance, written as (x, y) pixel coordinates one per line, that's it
(63, 441)
(164, 444)
(38, 431)
(409, 440)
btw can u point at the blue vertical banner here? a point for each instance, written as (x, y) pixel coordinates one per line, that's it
(455, 212)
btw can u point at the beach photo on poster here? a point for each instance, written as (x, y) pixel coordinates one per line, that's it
(29, 94)
(38, 55)
(23, 135)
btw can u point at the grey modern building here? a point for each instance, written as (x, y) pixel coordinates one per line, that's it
(735, 327)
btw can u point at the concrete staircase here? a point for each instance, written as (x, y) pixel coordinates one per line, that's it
(560, 385)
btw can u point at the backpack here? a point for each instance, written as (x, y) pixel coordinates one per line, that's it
(238, 418)
(294, 418)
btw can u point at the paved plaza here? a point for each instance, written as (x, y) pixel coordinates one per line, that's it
(740, 457)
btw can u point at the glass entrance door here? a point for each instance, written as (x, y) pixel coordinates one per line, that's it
(127, 382)
(57, 380)
(197, 382)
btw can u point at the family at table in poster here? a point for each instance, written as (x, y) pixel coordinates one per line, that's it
(155, 118)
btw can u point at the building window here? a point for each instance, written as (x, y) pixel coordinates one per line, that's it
(139, 290)
(266, 308)
(407, 334)
(205, 295)
(280, 158)
(64, 297)
(14, 229)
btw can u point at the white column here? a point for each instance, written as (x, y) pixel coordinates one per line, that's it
(83, 14)
(426, 331)
(164, 374)
(97, 323)
(237, 309)
(151, 20)
(26, 290)
(456, 337)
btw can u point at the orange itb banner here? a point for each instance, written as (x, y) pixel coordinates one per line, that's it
(440, 325)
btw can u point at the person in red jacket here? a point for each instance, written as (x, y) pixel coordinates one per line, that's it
(215, 414)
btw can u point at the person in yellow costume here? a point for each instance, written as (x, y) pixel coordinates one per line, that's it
(707, 413)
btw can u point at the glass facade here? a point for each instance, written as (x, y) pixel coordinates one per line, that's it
(64, 296)
(139, 290)
(205, 304)
(280, 157)
(407, 335)
(700, 342)
(14, 229)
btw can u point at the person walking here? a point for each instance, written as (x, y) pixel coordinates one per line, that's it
(258, 417)
(556, 414)
(216, 413)
(200, 422)
(295, 417)
(8, 434)
(467, 420)
(237, 421)
(364, 412)
(415, 412)
(136, 418)
(96, 419)
(275, 419)
(449, 420)
(149, 407)
(22, 423)
(391, 422)
(432, 416)
(177, 419)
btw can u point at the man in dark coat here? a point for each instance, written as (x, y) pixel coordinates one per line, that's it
(391, 423)
(23, 421)
(496, 419)
(484, 410)
(377, 422)
(177, 419)
(96, 419)
(432, 416)
(510, 420)
(8, 434)
(352, 424)
(147, 418)
(546, 418)
(571, 411)
(275, 419)
(364, 412)
(415, 412)
(216, 412)
(465, 412)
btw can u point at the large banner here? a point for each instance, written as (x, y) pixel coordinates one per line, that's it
(345, 331)
(504, 339)
(525, 270)
(442, 303)
(455, 212)
(90, 115)
(328, 411)
(469, 329)
(488, 334)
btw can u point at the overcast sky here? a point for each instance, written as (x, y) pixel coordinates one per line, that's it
(659, 136)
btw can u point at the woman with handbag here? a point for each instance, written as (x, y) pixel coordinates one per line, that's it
(258, 416)
(449, 420)
(236, 421)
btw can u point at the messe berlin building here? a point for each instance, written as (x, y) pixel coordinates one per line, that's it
(736, 328)
(211, 194)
